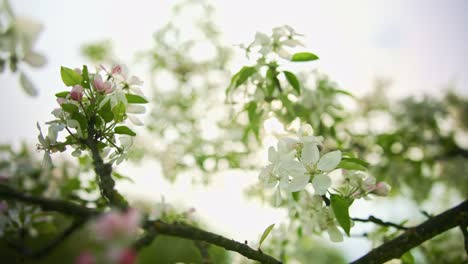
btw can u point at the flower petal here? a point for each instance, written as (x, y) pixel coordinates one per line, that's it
(334, 234)
(329, 161)
(310, 153)
(298, 183)
(321, 183)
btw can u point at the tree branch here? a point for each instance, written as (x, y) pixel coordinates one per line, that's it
(196, 234)
(414, 236)
(103, 171)
(47, 204)
(51, 245)
(378, 221)
(153, 228)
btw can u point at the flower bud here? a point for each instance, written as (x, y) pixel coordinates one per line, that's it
(60, 101)
(381, 189)
(117, 69)
(76, 93)
(101, 86)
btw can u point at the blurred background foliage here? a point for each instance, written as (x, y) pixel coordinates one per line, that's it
(417, 144)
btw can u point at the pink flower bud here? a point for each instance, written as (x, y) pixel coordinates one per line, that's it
(117, 69)
(76, 93)
(85, 258)
(127, 256)
(60, 101)
(101, 86)
(381, 189)
(117, 224)
(77, 70)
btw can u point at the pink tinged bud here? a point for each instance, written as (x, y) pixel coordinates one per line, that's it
(127, 256)
(77, 70)
(117, 69)
(85, 258)
(101, 86)
(381, 189)
(60, 101)
(117, 225)
(76, 93)
(3, 207)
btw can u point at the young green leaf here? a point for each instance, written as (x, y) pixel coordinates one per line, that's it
(69, 108)
(124, 131)
(240, 77)
(85, 77)
(244, 74)
(27, 85)
(340, 207)
(135, 99)
(353, 164)
(265, 234)
(304, 56)
(293, 81)
(70, 77)
(106, 113)
(62, 94)
(119, 112)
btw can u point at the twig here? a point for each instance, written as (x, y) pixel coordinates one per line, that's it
(414, 236)
(152, 228)
(378, 221)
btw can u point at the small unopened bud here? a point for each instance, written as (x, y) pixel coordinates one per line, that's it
(60, 101)
(117, 69)
(381, 189)
(76, 93)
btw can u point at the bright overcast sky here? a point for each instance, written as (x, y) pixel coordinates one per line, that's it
(421, 45)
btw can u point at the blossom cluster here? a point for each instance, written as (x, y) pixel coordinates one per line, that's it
(96, 107)
(275, 44)
(298, 161)
(116, 229)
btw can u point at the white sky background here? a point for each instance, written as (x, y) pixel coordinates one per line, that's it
(421, 45)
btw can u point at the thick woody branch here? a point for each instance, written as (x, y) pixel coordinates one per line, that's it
(375, 220)
(196, 234)
(103, 171)
(64, 207)
(395, 248)
(152, 228)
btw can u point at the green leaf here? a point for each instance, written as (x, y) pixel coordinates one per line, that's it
(240, 77)
(119, 176)
(70, 77)
(119, 112)
(62, 94)
(340, 207)
(244, 74)
(265, 234)
(124, 130)
(27, 85)
(304, 56)
(293, 81)
(135, 99)
(344, 92)
(407, 258)
(106, 113)
(85, 77)
(70, 108)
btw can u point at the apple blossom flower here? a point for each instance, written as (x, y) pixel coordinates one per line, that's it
(76, 93)
(313, 163)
